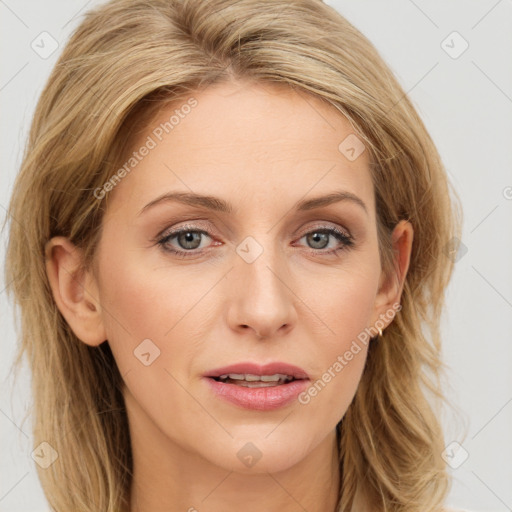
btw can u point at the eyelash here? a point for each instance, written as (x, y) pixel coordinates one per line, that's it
(347, 241)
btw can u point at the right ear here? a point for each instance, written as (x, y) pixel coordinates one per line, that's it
(75, 290)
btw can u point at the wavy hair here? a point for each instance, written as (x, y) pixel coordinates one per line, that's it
(126, 60)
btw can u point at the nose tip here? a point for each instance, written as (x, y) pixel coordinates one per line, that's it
(261, 300)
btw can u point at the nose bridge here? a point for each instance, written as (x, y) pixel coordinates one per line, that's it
(261, 297)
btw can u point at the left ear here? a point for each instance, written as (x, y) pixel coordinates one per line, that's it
(391, 284)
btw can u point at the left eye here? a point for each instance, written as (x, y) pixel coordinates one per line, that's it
(319, 238)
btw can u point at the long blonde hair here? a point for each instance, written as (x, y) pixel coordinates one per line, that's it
(130, 57)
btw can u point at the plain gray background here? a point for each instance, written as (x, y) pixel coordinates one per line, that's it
(465, 99)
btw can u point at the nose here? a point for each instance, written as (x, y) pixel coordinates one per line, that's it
(261, 299)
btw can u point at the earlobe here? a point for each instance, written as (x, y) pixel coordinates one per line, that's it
(74, 290)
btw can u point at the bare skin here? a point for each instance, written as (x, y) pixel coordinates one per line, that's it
(262, 148)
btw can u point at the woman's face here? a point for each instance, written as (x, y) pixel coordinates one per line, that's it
(253, 278)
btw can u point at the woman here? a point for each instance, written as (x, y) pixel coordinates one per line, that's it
(232, 269)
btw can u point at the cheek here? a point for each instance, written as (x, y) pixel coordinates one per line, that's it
(349, 307)
(139, 306)
(345, 305)
(146, 324)
(344, 301)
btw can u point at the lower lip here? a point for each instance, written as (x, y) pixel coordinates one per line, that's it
(260, 399)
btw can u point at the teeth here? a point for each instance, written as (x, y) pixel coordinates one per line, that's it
(260, 384)
(234, 376)
(274, 378)
(251, 378)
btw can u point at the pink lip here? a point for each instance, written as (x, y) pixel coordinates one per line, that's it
(264, 398)
(257, 369)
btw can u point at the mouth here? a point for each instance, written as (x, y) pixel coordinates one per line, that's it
(257, 387)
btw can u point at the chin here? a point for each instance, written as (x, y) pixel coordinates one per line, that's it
(257, 455)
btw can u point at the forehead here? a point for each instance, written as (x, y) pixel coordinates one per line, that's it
(259, 141)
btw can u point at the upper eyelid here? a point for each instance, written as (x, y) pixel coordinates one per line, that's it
(197, 227)
(175, 231)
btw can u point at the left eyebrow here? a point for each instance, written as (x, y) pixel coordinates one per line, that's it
(335, 197)
(220, 205)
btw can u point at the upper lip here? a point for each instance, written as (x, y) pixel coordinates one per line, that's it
(258, 369)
